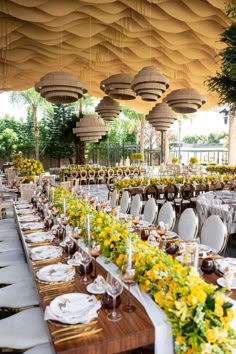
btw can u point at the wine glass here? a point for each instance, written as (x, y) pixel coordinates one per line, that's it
(85, 260)
(96, 250)
(129, 277)
(191, 249)
(114, 288)
(69, 245)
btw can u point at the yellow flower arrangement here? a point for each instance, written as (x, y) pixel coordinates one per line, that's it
(31, 167)
(197, 312)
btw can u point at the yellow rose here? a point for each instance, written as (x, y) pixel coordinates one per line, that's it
(107, 243)
(179, 339)
(192, 300)
(99, 221)
(230, 315)
(158, 298)
(218, 310)
(211, 335)
(219, 299)
(201, 296)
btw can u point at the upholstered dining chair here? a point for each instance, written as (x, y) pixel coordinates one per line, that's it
(188, 225)
(23, 330)
(11, 257)
(10, 245)
(101, 176)
(136, 205)
(45, 348)
(19, 295)
(167, 215)
(214, 233)
(150, 211)
(14, 273)
(113, 198)
(125, 202)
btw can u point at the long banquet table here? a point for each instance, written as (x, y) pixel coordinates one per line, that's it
(132, 331)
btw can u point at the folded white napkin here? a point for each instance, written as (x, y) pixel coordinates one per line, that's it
(29, 218)
(226, 262)
(24, 211)
(86, 317)
(23, 206)
(45, 252)
(56, 273)
(32, 226)
(40, 237)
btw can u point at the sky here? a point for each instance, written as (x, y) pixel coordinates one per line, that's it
(203, 123)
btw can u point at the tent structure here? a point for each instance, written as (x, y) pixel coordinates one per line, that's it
(97, 38)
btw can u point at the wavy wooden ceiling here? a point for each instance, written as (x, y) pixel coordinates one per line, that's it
(97, 38)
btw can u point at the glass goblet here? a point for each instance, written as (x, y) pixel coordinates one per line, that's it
(114, 288)
(85, 260)
(129, 277)
(96, 250)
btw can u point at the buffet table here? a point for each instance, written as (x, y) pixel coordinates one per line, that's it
(132, 331)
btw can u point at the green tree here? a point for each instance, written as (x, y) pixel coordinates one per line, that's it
(8, 143)
(224, 83)
(33, 101)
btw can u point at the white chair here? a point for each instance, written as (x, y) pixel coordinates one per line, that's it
(45, 348)
(167, 215)
(214, 233)
(136, 205)
(11, 257)
(150, 211)
(10, 245)
(124, 202)
(188, 225)
(14, 273)
(23, 330)
(9, 235)
(27, 191)
(19, 295)
(66, 185)
(113, 199)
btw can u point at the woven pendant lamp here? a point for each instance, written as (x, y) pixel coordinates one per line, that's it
(61, 87)
(118, 86)
(108, 109)
(186, 100)
(90, 128)
(150, 84)
(89, 139)
(161, 117)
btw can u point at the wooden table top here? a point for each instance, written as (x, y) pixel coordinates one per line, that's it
(132, 331)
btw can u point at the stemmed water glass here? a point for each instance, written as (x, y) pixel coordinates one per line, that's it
(85, 261)
(129, 277)
(114, 288)
(96, 250)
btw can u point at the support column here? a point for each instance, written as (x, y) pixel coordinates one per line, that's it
(166, 147)
(142, 134)
(232, 138)
(162, 146)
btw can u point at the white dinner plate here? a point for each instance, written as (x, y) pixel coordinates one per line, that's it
(76, 305)
(56, 273)
(73, 262)
(222, 283)
(91, 288)
(204, 249)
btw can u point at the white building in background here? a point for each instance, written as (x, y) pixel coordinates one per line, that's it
(204, 152)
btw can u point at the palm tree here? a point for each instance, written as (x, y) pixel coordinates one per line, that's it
(135, 120)
(33, 101)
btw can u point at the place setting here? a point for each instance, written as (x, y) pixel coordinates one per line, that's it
(42, 253)
(39, 238)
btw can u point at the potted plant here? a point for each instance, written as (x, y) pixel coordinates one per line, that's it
(175, 160)
(194, 161)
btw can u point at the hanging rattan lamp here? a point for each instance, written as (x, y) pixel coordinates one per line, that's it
(186, 100)
(108, 108)
(161, 117)
(89, 139)
(61, 87)
(150, 84)
(118, 86)
(90, 128)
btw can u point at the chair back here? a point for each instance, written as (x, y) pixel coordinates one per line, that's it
(124, 202)
(83, 174)
(151, 191)
(150, 211)
(127, 172)
(119, 172)
(214, 233)
(136, 205)
(167, 215)
(66, 185)
(113, 200)
(27, 191)
(91, 173)
(101, 173)
(51, 179)
(171, 192)
(188, 225)
(110, 172)
(187, 191)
